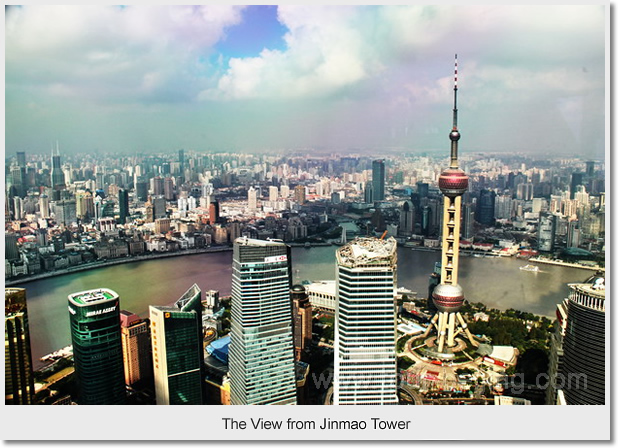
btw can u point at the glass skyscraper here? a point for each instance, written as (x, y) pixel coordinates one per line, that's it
(378, 178)
(365, 359)
(19, 382)
(177, 350)
(261, 354)
(97, 349)
(582, 374)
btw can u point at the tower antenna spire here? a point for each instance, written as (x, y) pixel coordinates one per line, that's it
(454, 135)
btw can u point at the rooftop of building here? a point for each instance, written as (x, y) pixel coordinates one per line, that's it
(368, 251)
(244, 241)
(593, 286)
(92, 296)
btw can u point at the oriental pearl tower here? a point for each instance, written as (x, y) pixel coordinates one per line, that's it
(448, 296)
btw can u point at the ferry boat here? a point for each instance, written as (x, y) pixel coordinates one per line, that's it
(530, 268)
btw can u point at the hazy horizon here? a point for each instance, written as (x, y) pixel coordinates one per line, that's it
(346, 79)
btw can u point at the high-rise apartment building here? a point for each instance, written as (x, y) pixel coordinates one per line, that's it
(378, 179)
(299, 194)
(18, 378)
(302, 319)
(252, 198)
(97, 348)
(177, 351)
(365, 359)
(273, 194)
(261, 354)
(136, 348)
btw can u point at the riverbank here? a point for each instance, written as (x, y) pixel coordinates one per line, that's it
(113, 262)
(566, 264)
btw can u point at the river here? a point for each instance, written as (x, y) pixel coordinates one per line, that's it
(497, 282)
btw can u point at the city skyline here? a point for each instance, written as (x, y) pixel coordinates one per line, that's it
(148, 79)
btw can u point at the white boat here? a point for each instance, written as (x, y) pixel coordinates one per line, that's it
(530, 268)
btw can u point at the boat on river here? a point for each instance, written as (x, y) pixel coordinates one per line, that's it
(529, 268)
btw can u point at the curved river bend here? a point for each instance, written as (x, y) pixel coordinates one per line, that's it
(497, 282)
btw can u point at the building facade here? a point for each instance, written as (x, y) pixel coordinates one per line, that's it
(261, 354)
(378, 179)
(365, 358)
(19, 381)
(583, 362)
(136, 348)
(302, 315)
(177, 351)
(97, 348)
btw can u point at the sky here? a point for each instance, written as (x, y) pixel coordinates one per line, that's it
(336, 78)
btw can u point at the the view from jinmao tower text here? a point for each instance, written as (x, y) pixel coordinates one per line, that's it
(305, 205)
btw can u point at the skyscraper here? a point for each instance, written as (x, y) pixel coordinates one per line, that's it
(123, 205)
(302, 317)
(365, 358)
(580, 371)
(177, 351)
(261, 355)
(252, 198)
(448, 296)
(136, 348)
(97, 348)
(486, 207)
(378, 173)
(19, 381)
(577, 179)
(406, 219)
(57, 176)
(299, 194)
(546, 233)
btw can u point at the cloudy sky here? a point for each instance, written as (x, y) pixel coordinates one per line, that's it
(262, 78)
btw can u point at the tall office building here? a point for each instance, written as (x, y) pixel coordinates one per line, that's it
(365, 357)
(44, 206)
(583, 314)
(157, 186)
(486, 207)
(582, 373)
(261, 355)
(546, 233)
(123, 205)
(21, 159)
(368, 193)
(136, 348)
(168, 189)
(378, 172)
(448, 296)
(57, 175)
(177, 351)
(302, 319)
(11, 249)
(213, 212)
(406, 219)
(97, 348)
(577, 179)
(18, 378)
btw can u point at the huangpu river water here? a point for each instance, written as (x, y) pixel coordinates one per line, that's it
(497, 282)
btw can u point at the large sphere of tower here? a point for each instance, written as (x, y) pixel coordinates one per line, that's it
(453, 182)
(448, 298)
